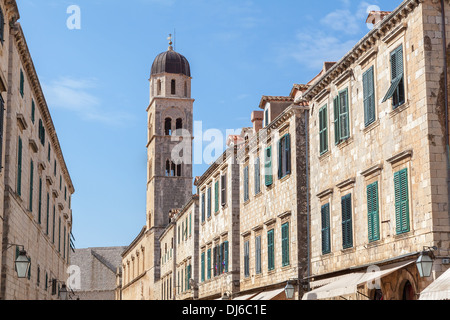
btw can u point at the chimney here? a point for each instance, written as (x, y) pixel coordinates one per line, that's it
(376, 16)
(257, 120)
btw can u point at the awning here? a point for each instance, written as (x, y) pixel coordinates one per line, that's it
(348, 284)
(246, 296)
(439, 289)
(269, 295)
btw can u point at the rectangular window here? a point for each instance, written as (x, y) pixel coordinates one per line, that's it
(216, 196)
(40, 202)
(225, 256)
(341, 117)
(396, 91)
(258, 268)
(19, 168)
(326, 240)
(30, 204)
(49, 151)
(246, 184)
(33, 107)
(22, 81)
(266, 118)
(257, 176)
(202, 266)
(268, 166)
(59, 235)
(246, 259)
(48, 212)
(223, 184)
(347, 231)
(54, 223)
(284, 156)
(285, 244)
(373, 212)
(203, 207)
(209, 202)
(401, 201)
(209, 264)
(270, 250)
(323, 129)
(41, 132)
(369, 96)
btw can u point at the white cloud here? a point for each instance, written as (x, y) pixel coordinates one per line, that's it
(312, 49)
(74, 95)
(347, 21)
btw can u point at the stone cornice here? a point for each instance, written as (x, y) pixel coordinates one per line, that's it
(379, 32)
(41, 103)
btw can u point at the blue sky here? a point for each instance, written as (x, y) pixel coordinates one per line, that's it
(95, 80)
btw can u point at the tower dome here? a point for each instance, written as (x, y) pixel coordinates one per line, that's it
(170, 62)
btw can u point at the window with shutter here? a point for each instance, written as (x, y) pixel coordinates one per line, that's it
(32, 110)
(323, 129)
(226, 256)
(270, 250)
(202, 267)
(257, 176)
(337, 135)
(344, 115)
(373, 212)
(203, 207)
(246, 184)
(246, 259)
(401, 201)
(284, 156)
(258, 268)
(208, 270)
(48, 211)
(22, 81)
(268, 166)
(40, 202)
(19, 168)
(208, 203)
(347, 231)
(30, 205)
(2, 26)
(285, 244)
(216, 196)
(326, 240)
(369, 97)
(396, 91)
(223, 185)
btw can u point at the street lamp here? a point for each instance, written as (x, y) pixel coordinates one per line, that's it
(22, 264)
(425, 262)
(289, 290)
(63, 292)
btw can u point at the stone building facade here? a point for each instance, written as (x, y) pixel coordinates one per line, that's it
(169, 183)
(218, 253)
(98, 267)
(273, 199)
(378, 158)
(36, 185)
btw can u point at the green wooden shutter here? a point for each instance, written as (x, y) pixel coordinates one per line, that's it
(40, 201)
(347, 232)
(337, 130)
(397, 75)
(257, 176)
(401, 201)
(285, 244)
(323, 130)
(280, 158)
(226, 255)
(326, 241)
(22, 81)
(209, 202)
(344, 114)
(246, 184)
(287, 153)
(31, 186)
(369, 96)
(271, 249)
(48, 211)
(258, 255)
(373, 212)
(268, 166)
(223, 185)
(246, 259)
(19, 168)
(203, 267)
(216, 196)
(209, 264)
(33, 107)
(203, 207)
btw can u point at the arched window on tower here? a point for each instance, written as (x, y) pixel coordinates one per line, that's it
(179, 170)
(172, 169)
(185, 89)
(173, 87)
(168, 127)
(159, 88)
(167, 168)
(179, 126)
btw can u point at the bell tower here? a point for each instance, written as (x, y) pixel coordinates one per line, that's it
(169, 146)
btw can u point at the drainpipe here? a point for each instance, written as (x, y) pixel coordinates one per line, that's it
(447, 133)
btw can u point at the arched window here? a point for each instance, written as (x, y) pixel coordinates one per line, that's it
(168, 126)
(172, 169)
(173, 87)
(179, 170)
(179, 125)
(185, 89)
(159, 88)
(167, 168)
